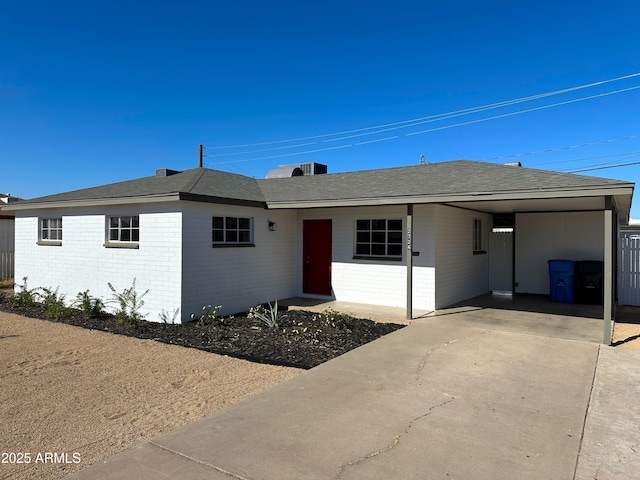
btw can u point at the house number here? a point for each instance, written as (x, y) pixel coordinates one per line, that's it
(408, 238)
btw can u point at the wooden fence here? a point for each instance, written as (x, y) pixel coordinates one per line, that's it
(6, 265)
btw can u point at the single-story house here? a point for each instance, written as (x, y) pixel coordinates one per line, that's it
(416, 237)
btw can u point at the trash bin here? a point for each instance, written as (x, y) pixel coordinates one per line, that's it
(561, 276)
(589, 285)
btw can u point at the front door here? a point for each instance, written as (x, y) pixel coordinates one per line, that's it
(316, 257)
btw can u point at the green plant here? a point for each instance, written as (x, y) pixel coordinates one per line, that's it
(25, 297)
(166, 317)
(209, 316)
(92, 307)
(53, 302)
(331, 318)
(129, 303)
(268, 317)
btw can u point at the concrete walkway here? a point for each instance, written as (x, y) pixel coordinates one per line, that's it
(459, 396)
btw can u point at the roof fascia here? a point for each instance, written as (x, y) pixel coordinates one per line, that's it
(95, 202)
(616, 190)
(192, 197)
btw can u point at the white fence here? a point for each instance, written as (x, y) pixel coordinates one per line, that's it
(629, 270)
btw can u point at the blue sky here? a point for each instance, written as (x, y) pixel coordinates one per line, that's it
(99, 92)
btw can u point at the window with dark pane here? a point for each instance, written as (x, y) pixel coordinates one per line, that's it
(231, 230)
(125, 228)
(379, 237)
(51, 228)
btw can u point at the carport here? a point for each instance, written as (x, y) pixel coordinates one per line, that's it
(560, 222)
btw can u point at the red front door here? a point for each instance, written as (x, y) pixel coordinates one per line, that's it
(316, 257)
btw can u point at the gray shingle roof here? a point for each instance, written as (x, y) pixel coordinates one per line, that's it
(446, 178)
(198, 182)
(438, 179)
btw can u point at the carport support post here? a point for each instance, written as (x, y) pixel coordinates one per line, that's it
(409, 262)
(608, 271)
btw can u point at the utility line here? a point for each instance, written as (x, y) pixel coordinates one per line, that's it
(495, 117)
(430, 118)
(557, 149)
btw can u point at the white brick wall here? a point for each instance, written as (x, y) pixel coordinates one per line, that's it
(374, 281)
(239, 277)
(82, 262)
(459, 273)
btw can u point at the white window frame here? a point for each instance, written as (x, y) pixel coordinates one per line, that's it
(232, 231)
(120, 240)
(50, 231)
(372, 242)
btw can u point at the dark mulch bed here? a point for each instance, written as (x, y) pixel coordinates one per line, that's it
(302, 339)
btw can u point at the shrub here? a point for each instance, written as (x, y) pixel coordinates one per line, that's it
(331, 318)
(268, 317)
(129, 303)
(92, 307)
(25, 297)
(209, 316)
(53, 303)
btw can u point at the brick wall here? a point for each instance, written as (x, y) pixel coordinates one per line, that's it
(377, 282)
(83, 262)
(237, 277)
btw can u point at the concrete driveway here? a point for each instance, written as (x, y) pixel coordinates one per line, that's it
(459, 396)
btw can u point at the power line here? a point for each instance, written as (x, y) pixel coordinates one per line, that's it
(430, 118)
(495, 117)
(557, 149)
(604, 168)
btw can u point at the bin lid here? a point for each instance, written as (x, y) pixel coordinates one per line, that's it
(561, 265)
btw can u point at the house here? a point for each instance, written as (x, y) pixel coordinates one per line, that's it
(415, 237)
(7, 228)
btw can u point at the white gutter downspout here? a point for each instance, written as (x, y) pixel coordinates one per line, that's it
(409, 262)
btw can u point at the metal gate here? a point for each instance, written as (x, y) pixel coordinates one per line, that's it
(629, 269)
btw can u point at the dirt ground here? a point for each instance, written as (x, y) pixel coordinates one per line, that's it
(70, 397)
(626, 333)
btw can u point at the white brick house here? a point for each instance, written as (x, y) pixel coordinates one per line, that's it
(203, 236)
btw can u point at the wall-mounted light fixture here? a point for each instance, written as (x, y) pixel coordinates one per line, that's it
(273, 226)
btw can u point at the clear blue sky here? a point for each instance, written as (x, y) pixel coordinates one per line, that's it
(98, 92)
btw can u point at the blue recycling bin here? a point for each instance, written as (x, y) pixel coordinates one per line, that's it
(561, 276)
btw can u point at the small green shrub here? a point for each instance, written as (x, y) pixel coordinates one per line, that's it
(25, 297)
(268, 317)
(53, 303)
(129, 303)
(92, 307)
(333, 319)
(209, 316)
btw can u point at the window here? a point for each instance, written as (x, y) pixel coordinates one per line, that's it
(379, 238)
(232, 230)
(51, 230)
(124, 229)
(478, 244)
